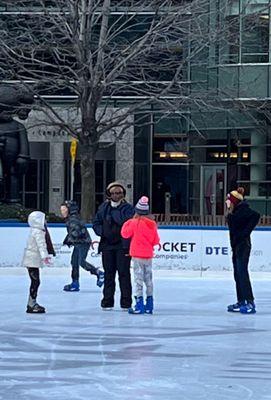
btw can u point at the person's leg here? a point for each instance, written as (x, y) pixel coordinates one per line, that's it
(34, 285)
(32, 305)
(123, 268)
(75, 264)
(138, 267)
(236, 278)
(109, 266)
(83, 252)
(74, 286)
(149, 285)
(148, 277)
(242, 260)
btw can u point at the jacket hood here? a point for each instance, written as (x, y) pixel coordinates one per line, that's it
(36, 220)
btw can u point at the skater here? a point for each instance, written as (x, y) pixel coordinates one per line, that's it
(107, 224)
(79, 238)
(241, 221)
(37, 254)
(142, 230)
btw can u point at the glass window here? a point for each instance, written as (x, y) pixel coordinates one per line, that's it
(34, 185)
(170, 149)
(229, 48)
(255, 38)
(228, 81)
(170, 180)
(253, 81)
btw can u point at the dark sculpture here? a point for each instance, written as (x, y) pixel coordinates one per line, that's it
(14, 146)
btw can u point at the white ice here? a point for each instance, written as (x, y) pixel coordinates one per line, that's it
(191, 348)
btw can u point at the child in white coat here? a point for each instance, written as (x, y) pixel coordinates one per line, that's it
(37, 254)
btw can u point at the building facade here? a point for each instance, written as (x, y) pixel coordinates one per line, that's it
(185, 161)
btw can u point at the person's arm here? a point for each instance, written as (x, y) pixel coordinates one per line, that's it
(39, 236)
(252, 221)
(97, 223)
(127, 229)
(156, 239)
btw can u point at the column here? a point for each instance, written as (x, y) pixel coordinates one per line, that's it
(56, 182)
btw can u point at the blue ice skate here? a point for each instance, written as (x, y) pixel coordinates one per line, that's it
(72, 287)
(248, 308)
(236, 307)
(149, 305)
(100, 278)
(139, 307)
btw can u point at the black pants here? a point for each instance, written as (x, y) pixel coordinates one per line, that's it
(116, 261)
(240, 259)
(34, 274)
(78, 259)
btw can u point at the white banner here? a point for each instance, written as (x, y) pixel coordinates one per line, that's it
(180, 248)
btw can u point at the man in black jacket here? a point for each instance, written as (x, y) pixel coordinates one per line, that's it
(241, 221)
(107, 224)
(79, 238)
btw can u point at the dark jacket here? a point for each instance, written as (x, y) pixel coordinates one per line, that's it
(108, 222)
(77, 231)
(241, 223)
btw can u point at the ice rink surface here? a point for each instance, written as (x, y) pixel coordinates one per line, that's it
(191, 348)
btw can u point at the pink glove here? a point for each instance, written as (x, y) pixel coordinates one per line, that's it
(47, 261)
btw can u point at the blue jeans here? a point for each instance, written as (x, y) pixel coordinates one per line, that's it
(78, 259)
(240, 259)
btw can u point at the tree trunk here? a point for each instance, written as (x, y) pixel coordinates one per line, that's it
(88, 182)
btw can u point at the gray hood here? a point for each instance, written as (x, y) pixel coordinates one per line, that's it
(36, 220)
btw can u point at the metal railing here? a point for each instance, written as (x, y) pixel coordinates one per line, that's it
(203, 220)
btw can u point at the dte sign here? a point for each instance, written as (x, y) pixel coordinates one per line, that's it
(217, 251)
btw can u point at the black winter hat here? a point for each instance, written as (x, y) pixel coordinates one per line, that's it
(72, 206)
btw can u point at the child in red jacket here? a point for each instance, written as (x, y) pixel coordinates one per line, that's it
(143, 233)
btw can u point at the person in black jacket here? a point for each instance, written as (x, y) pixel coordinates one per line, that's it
(79, 238)
(241, 221)
(107, 224)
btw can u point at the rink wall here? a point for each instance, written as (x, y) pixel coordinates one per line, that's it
(181, 247)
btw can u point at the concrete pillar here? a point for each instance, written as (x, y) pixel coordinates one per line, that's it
(56, 182)
(125, 163)
(258, 157)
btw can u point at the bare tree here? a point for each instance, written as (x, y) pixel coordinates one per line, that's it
(98, 51)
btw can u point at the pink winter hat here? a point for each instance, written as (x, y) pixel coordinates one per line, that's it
(142, 206)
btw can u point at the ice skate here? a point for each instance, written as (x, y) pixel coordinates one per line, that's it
(235, 307)
(72, 287)
(100, 278)
(139, 307)
(248, 308)
(35, 309)
(149, 305)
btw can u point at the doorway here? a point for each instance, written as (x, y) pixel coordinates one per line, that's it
(213, 189)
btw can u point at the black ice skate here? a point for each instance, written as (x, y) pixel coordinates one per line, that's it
(36, 309)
